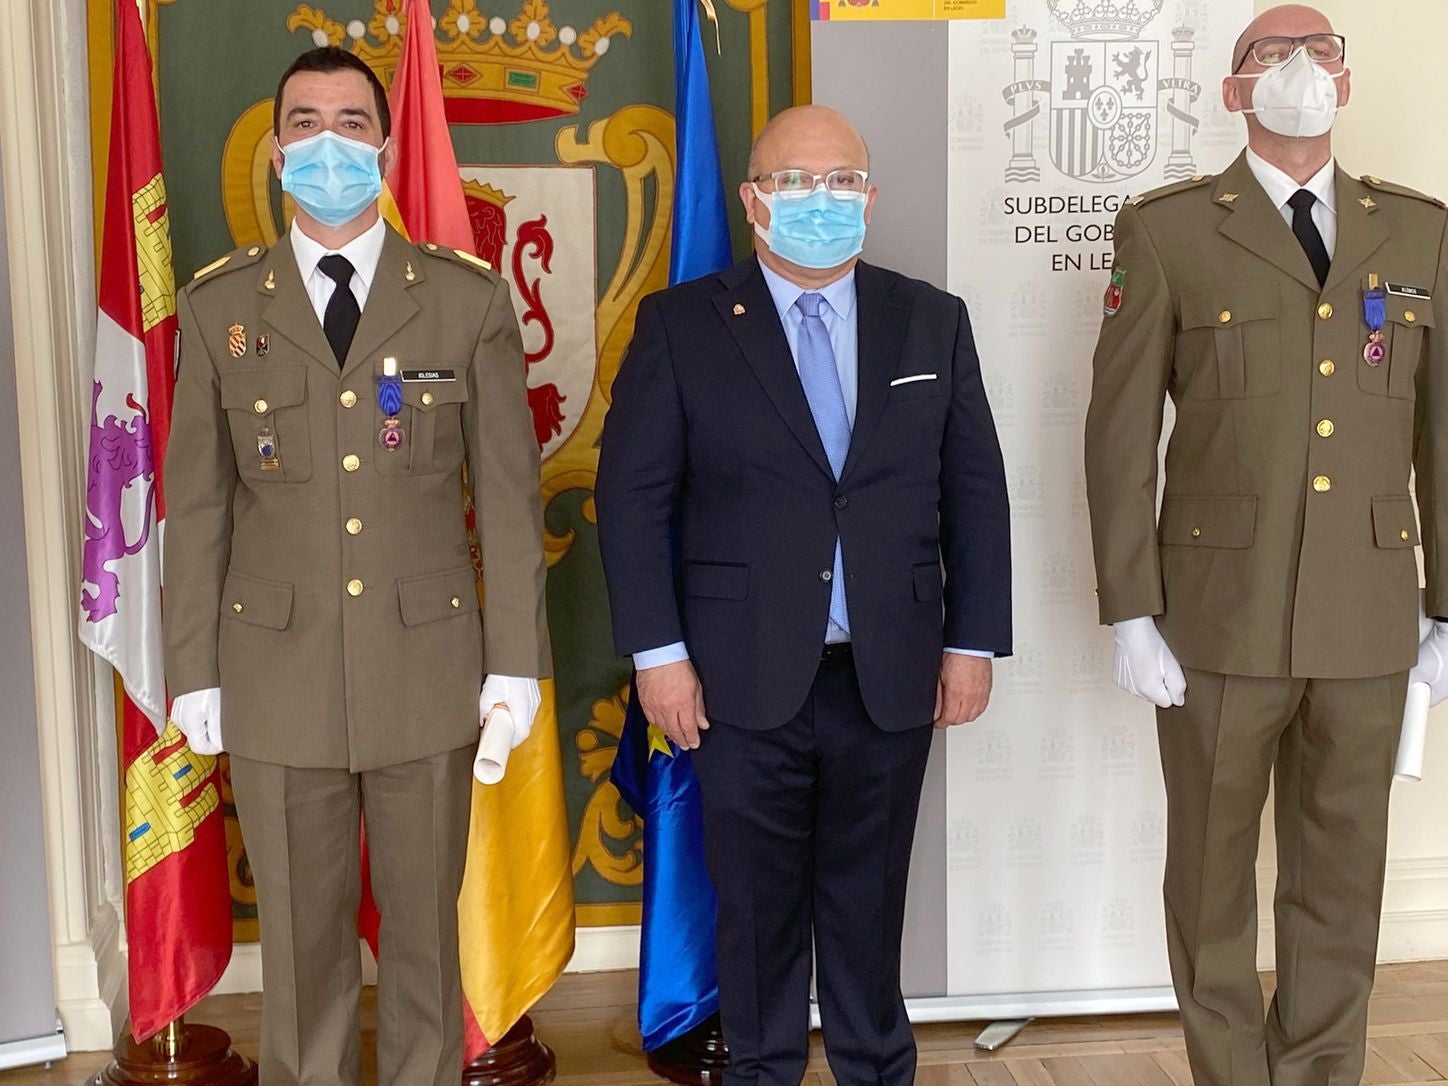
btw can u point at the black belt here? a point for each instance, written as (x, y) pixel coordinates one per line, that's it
(837, 653)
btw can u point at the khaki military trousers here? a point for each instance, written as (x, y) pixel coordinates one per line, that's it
(1331, 743)
(301, 831)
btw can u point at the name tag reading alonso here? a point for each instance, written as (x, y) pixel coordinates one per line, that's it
(1408, 292)
(428, 375)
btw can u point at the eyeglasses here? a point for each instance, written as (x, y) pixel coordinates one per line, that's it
(1270, 52)
(795, 184)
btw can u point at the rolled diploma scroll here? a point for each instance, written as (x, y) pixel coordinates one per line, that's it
(1409, 765)
(494, 747)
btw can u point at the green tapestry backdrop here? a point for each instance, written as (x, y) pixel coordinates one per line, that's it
(557, 86)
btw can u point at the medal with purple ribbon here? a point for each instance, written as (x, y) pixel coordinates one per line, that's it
(1375, 315)
(389, 398)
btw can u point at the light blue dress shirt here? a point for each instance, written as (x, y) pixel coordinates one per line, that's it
(838, 313)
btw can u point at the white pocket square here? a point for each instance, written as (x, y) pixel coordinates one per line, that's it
(912, 380)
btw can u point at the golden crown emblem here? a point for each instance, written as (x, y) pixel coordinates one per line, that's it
(1105, 20)
(494, 70)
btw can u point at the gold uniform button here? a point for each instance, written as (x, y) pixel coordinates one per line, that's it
(1322, 484)
(1403, 535)
(350, 462)
(427, 399)
(1410, 316)
(1225, 316)
(238, 608)
(259, 407)
(1327, 367)
(1325, 311)
(458, 603)
(354, 526)
(354, 587)
(1325, 428)
(348, 398)
(1196, 533)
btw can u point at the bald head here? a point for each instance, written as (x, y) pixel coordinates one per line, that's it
(815, 138)
(1285, 20)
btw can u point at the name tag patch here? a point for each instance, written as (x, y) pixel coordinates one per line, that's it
(428, 375)
(1408, 292)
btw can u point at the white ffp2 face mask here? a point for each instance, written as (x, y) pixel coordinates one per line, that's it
(1297, 98)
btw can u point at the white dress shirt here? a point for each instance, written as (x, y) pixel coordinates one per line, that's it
(1280, 188)
(363, 251)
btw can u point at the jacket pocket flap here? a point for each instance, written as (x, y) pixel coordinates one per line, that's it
(716, 580)
(1208, 522)
(428, 394)
(1400, 309)
(1217, 308)
(928, 582)
(257, 602)
(1394, 523)
(246, 390)
(435, 596)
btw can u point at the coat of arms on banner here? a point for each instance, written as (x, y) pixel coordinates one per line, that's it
(1107, 94)
(535, 225)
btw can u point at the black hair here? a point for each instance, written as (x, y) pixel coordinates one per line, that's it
(329, 58)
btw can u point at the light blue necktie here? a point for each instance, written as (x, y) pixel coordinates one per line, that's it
(821, 379)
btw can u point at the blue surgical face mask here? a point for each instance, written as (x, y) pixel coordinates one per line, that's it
(333, 179)
(818, 231)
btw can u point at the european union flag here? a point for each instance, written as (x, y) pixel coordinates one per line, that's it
(678, 969)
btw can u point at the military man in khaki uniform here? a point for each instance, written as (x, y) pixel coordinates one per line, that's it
(319, 594)
(1291, 313)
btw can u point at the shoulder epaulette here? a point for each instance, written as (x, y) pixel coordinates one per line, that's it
(1378, 184)
(458, 256)
(237, 258)
(1171, 190)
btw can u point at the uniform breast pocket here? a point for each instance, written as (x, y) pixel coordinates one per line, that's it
(431, 420)
(267, 412)
(1229, 346)
(1403, 339)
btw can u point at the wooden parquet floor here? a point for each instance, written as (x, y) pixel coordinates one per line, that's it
(589, 1021)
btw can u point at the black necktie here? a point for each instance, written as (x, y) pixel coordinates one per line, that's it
(1306, 231)
(343, 312)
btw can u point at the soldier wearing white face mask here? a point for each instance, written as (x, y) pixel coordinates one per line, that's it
(1270, 609)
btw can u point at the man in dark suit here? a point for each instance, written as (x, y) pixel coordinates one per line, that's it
(795, 449)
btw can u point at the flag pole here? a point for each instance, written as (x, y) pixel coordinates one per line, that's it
(181, 1054)
(519, 1059)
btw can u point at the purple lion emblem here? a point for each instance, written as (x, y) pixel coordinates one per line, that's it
(120, 453)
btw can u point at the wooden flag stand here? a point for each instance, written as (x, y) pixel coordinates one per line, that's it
(519, 1059)
(181, 1054)
(698, 1058)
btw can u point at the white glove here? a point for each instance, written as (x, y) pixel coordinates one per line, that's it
(198, 715)
(1432, 666)
(506, 708)
(1145, 666)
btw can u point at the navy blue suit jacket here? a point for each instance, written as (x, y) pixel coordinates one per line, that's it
(710, 440)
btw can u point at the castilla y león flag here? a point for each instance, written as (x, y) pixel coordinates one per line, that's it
(178, 902)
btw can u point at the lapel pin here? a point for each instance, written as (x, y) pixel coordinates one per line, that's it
(1228, 197)
(738, 309)
(263, 344)
(1368, 202)
(236, 340)
(409, 274)
(271, 281)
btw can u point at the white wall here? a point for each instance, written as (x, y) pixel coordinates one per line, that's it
(1393, 128)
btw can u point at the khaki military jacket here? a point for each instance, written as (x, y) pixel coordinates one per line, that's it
(1285, 542)
(322, 581)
